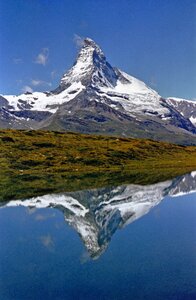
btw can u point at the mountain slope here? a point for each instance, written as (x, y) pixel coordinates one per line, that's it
(186, 108)
(95, 97)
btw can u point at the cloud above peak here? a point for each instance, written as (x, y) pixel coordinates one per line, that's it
(37, 82)
(42, 57)
(78, 40)
(27, 88)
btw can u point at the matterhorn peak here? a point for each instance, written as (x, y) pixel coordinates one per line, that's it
(94, 97)
(90, 52)
(90, 68)
(89, 44)
(89, 41)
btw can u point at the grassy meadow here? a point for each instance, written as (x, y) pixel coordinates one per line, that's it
(38, 162)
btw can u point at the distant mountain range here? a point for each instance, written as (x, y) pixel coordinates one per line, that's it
(94, 97)
(96, 214)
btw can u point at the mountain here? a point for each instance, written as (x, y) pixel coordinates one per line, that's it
(97, 214)
(186, 108)
(94, 97)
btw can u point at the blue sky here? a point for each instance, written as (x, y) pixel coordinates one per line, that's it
(153, 40)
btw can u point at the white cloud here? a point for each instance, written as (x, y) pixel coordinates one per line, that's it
(17, 61)
(42, 57)
(37, 82)
(153, 82)
(47, 241)
(27, 88)
(78, 40)
(40, 217)
(53, 74)
(19, 81)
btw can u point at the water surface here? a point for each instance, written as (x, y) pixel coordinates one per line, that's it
(119, 242)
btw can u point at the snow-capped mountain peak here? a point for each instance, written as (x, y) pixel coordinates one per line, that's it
(94, 92)
(90, 68)
(90, 45)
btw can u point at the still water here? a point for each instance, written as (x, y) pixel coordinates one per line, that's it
(121, 242)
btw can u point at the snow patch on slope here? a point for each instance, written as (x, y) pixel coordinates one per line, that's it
(181, 99)
(44, 101)
(135, 96)
(193, 120)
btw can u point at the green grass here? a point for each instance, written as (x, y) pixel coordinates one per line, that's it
(37, 162)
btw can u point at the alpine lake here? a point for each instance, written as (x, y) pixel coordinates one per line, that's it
(122, 240)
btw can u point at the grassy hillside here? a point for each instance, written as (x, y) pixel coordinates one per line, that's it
(37, 162)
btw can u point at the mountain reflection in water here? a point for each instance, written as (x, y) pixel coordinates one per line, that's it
(96, 214)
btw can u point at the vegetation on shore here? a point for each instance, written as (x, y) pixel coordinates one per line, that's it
(38, 162)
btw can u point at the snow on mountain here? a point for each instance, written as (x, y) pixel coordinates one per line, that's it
(134, 96)
(90, 61)
(92, 70)
(187, 108)
(93, 91)
(43, 101)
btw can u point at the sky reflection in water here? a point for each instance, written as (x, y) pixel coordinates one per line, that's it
(152, 257)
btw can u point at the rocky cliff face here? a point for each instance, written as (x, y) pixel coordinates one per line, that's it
(95, 97)
(186, 108)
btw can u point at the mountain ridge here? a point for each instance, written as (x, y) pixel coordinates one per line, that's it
(94, 97)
